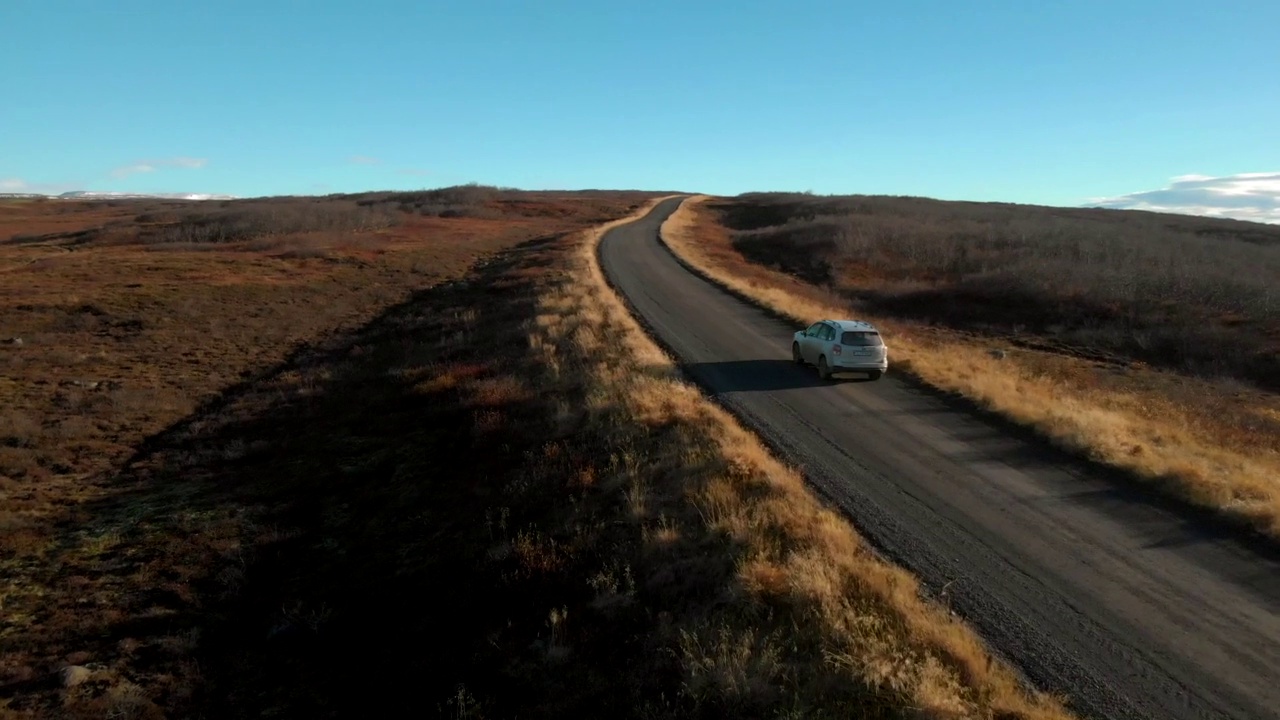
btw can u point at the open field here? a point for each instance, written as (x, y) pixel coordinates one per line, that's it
(121, 322)
(120, 317)
(1146, 342)
(489, 495)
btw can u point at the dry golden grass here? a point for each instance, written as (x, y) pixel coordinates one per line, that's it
(868, 619)
(1213, 443)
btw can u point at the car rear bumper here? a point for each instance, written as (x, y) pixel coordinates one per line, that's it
(846, 366)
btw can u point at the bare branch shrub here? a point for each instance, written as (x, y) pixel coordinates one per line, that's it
(1196, 294)
(253, 219)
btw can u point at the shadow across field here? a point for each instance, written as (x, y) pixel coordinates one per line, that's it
(423, 513)
(388, 519)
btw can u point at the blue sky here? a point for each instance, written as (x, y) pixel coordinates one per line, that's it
(1043, 102)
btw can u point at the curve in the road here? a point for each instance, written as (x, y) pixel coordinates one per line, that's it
(1127, 608)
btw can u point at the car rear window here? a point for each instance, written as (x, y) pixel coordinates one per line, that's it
(860, 337)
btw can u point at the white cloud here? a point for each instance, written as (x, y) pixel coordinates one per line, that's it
(18, 185)
(127, 170)
(363, 160)
(146, 166)
(1245, 196)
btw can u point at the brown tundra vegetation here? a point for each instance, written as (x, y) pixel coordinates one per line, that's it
(1195, 295)
(128, 324)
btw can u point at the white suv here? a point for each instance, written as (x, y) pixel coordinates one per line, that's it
(841, 346)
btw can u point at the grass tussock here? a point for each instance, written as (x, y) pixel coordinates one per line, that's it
(1210, 441)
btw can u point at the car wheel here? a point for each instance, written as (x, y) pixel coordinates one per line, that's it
(874, 375)
(796, 357)
(824, 372)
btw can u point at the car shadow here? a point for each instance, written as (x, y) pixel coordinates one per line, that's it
(760, 376)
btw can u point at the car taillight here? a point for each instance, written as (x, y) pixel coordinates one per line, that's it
(836, 349)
